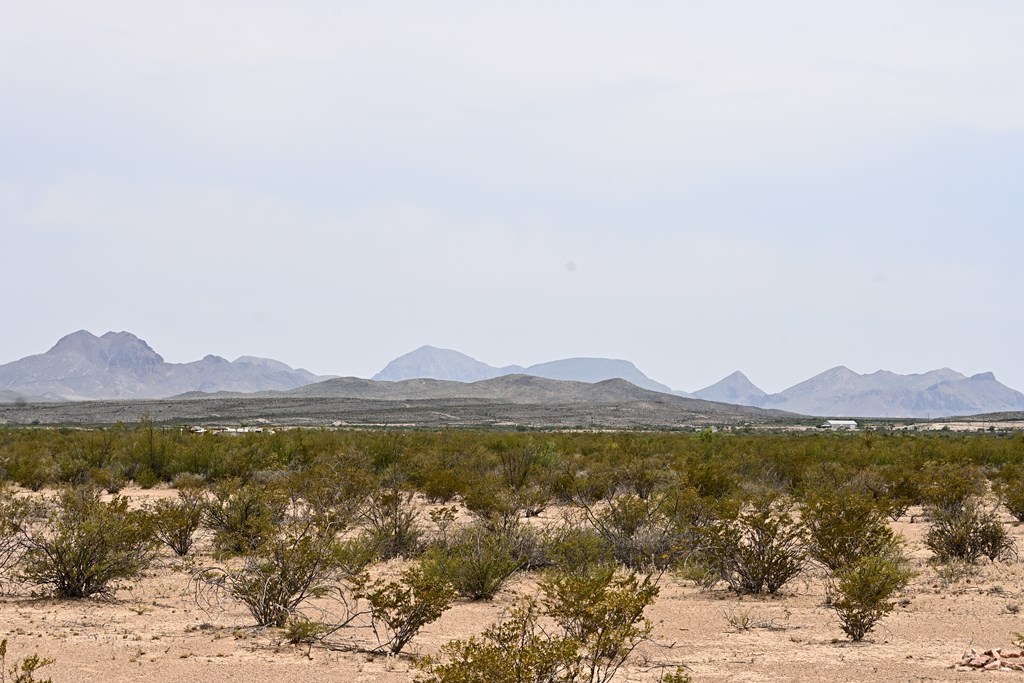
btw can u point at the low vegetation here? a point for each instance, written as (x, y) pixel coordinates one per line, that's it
(359, 540)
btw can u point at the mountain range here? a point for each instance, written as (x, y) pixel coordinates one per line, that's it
(836, 392)
(119, 365)
(429, 362)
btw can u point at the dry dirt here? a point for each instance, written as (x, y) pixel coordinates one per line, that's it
(155, 631)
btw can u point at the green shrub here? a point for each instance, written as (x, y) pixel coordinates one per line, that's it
(23, 671)
(277, 578)
(176, 522)
(760, 551)
(576, 548)
(843, 527)
(392, 519)
(600, 621)
(477, 561)
(15, 516)
(110, 479)
(353, 555)
(243, 516)
(947, 487)
(399, 609)
(967, 533)
(603, 613)
(637, 530)
(514, 651)
(861, 593)
(88, 545)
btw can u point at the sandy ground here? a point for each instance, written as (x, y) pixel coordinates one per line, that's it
(155, 631)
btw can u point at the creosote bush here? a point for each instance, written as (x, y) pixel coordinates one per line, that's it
(967, 532)
(277, 577)
(599, 618)
(88, 545)
(861, 592)
(844, 526)
(14, 520)
(391, 517)
(243, 516)
(477, 561)
(603, 613)
(176, 522)
(759, 551)
(513, 651)
(24, 670)
(399, 609)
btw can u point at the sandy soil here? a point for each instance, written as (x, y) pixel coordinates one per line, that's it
(155, 631)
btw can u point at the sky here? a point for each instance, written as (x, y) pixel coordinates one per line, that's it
(697, 187)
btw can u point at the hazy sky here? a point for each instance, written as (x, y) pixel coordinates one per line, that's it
(698, 187)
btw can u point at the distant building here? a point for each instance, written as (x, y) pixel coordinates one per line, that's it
(838, 425)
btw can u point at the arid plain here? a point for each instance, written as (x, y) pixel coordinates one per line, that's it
(156, 630)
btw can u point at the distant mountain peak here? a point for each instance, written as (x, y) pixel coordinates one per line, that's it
(74, 341)
(431, 362)
(735, 388)
(120, 365)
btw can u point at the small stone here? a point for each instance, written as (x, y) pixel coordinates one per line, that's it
(1010, 654)
(993, 665)
(978, 662)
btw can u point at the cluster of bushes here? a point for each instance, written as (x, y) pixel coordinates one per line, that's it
(296, 519)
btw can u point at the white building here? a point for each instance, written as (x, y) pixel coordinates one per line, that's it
(837, 425)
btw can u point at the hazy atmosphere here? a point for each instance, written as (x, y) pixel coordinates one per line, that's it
(696, 187)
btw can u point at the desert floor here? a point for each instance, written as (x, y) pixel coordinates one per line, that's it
(156, 631)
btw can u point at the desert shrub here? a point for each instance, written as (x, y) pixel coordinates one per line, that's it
(176, 522)
(577, 548)
(15, 516)
(843, 527)
(948, 487)
(399, 609)
(243, 516)
(301, 630)
(280, 575)
(967, 533)
(24, 670)
(353, 555)
(1011, 490)
(35, 471)
(861, 592)
(760, 551)
(477, 561)
(677, 676)
(110, 479)
(392, 517)
(514, 651)
(87, 545)
(599, 619)
(146, 478)
(603, 613)
(637, 530)
(495, 506)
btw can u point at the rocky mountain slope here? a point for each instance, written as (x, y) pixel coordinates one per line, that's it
(119, 365)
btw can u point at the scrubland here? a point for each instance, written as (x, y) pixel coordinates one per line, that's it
(140, 553)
